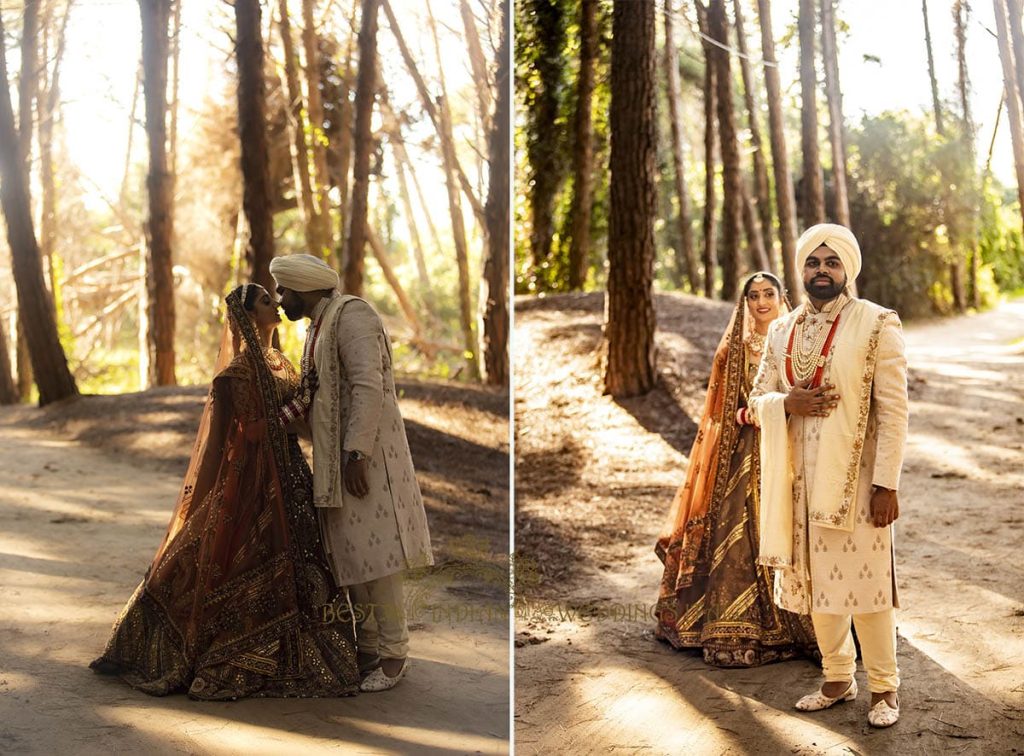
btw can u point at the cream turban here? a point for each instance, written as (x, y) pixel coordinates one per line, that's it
(303, 273)
(837, 238)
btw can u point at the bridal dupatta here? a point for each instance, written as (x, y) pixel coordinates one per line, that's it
(239, 600)
(681, 538)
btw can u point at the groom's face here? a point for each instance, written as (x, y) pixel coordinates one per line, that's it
(824, 275)
(291, 303)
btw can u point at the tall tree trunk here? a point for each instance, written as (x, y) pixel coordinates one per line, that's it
(813, 190)
(1013, 101)
(48, 113)
(414, 230)
(1013, 8)
(34, 305)
(478, 65)
(404, 303)
(544, 148)
(629, 307)
(834, 95)
(24, 356)
(455, 211)
(1013, 72)
(429, 107)
(956, 265)
(762, 192)
(732, 177)
(28, 83)
(28, 86)
(127, 171)
(710, 253)
(785, 202)
(494, 282)
(366, 89)
(936, 103)
(583, 149)
(8, 389)
(172, 151)
(160, 185)
(752, 226)
(393, 128)
(987, 173)
(314, 104)
(346, 116)
(686, 256)
(252, 132)
(424, 206)
(961, 17)
(296, 123)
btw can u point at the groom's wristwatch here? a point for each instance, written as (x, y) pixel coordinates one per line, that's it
(356, 456)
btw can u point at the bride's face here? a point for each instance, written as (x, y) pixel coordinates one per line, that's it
(763, 301)
(264, 312)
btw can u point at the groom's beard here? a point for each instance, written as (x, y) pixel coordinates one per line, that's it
(822, 291)
(294, 311)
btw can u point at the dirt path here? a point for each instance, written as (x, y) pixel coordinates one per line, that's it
(594, 482)
(78, 527)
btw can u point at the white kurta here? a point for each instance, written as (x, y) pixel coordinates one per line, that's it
(837, 571)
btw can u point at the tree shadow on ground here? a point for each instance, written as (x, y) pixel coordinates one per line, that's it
(491, 400)
(103, 713)
(658, 412)
(938, 710)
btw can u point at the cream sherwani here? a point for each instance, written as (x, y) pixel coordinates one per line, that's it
(356, 409)
(835, 564)
(837, 570)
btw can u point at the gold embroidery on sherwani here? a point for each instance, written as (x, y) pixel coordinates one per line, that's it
(842, 517)
(386, 531)
(830, 564)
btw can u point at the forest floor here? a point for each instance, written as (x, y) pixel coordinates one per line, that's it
(86, 493)
(594, 481)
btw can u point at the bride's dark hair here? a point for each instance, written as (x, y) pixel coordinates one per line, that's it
(779, 288)
(247, 295)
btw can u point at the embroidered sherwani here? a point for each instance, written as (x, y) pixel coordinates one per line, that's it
(356, 409)
(846, 566)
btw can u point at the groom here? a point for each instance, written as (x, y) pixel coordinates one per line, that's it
(364, 485)
(831, 400)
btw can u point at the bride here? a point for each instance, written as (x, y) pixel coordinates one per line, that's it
(713, 595)
(240, 600)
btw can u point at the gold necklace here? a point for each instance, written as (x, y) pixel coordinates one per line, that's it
(755, 342)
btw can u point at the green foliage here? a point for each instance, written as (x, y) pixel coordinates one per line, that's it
(1001, 243)
(544, 153)
(903, 204)
(542, 88)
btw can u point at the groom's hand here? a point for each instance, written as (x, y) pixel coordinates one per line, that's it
(818, 402)
(885, 507)
(356, 480)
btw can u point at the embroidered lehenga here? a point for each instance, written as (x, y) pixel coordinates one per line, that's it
(239, 600)
(713, 595)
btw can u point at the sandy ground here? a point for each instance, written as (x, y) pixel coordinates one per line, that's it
(594, 482)
(81, 519)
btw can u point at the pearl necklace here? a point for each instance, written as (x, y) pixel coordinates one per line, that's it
(806, 358)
